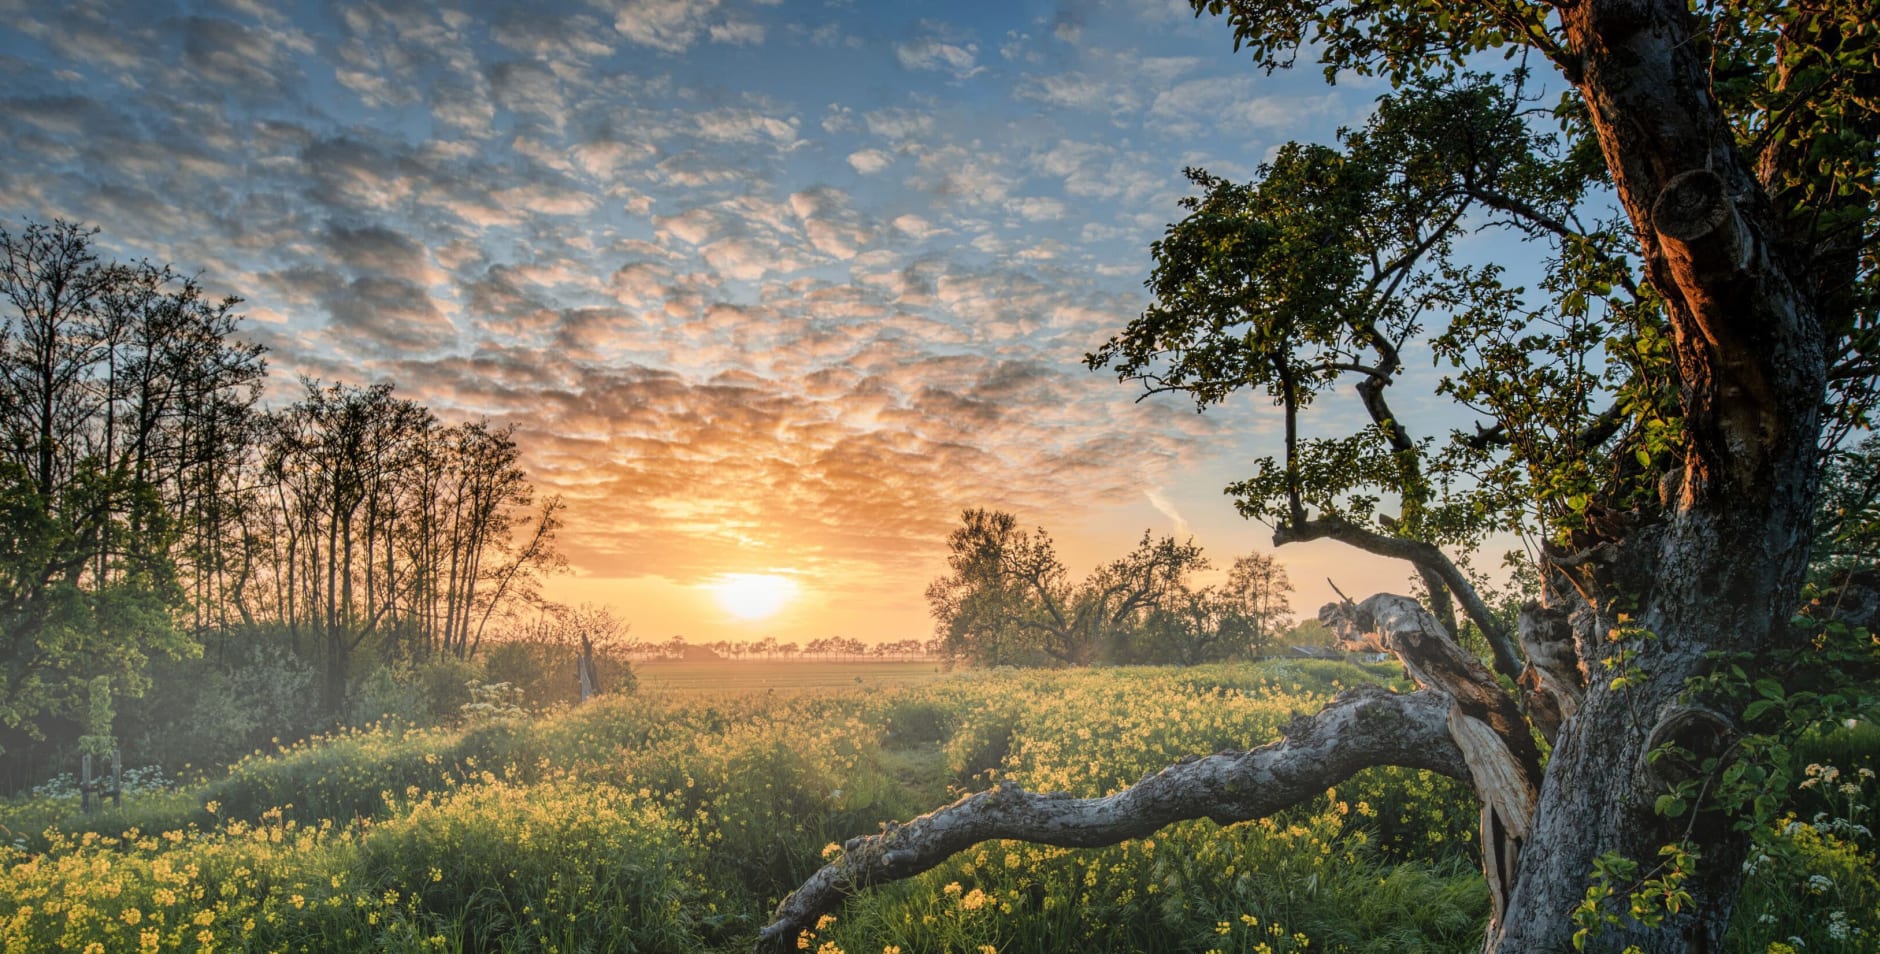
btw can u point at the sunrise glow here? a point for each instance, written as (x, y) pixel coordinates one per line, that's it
(752, 595)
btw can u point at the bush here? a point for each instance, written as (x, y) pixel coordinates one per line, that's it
(206, 714)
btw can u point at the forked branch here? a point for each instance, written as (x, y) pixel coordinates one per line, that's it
(1360, 728)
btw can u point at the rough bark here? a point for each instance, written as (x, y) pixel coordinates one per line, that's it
(1360, 728)
(1722, 571)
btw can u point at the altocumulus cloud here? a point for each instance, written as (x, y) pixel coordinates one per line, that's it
(753, 282)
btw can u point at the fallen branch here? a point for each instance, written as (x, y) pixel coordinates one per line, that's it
(1360, 728)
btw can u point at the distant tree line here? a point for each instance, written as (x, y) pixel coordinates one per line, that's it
(1009, 600)
(769, 647)
(152, 508)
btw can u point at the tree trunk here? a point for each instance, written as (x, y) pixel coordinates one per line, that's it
(1724, 571)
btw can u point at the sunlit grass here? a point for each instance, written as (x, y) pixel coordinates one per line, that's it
(675, 821)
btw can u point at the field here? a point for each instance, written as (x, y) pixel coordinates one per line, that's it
(721, 675)
(674, 821)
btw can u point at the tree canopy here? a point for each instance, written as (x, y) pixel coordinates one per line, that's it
(1009, 600)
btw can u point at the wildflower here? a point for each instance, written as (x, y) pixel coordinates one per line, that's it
(1837, 925)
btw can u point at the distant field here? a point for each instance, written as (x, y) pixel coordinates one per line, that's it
(748, 675)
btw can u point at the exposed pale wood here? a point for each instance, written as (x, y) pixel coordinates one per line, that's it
(1360, 728)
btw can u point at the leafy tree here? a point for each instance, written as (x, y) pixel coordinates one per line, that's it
(1237, 620)
(1652, 415)
(1009, 599)
(118, 384)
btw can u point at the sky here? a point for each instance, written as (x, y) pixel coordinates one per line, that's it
(766, 287)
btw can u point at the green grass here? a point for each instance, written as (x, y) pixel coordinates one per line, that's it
(675, 820)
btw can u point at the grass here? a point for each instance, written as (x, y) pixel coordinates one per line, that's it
(757, 675)
(675, 820)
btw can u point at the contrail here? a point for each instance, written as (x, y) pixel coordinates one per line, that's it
(1168, 510)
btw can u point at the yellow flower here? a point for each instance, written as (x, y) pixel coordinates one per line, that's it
(131, 916)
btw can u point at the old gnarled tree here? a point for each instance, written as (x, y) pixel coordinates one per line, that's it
(1652, 416)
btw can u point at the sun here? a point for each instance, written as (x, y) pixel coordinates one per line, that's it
(752, 595)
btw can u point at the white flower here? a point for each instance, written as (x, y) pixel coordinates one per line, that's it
(1837, 926)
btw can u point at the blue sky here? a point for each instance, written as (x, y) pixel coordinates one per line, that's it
(765, 286)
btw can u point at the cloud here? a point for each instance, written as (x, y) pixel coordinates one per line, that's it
(746, 126)
(931, 54)
(377, 250)
(1179, 525)
(668, 25)
(373, 315)
(253, 62)
(1232, 105)
(869, 161)
(734, 316)
(738, 33)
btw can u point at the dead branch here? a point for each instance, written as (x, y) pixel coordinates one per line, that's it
(1360, 728)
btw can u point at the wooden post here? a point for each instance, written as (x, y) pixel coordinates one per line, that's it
(117, 778)
(84, 783)
(584, 670)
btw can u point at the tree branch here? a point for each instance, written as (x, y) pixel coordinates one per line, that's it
(1424, 556)
(1360, 728)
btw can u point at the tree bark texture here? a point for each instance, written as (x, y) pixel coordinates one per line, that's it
(1722, 571)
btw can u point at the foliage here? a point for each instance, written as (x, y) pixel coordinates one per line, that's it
(147, 507)
(107, 371)
(672, 823)
(734, 793)
(540, 658)
(1008, 599)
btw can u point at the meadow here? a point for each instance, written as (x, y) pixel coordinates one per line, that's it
(672, 820)
(759, 675)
